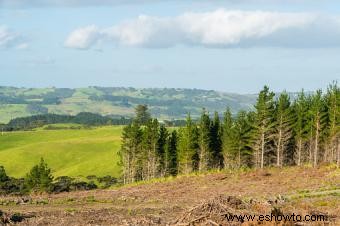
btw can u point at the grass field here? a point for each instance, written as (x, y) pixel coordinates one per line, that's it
(76, 153)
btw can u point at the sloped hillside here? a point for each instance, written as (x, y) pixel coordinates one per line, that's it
(164, 103)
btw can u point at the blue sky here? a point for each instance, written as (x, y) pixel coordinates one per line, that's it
(233, 46)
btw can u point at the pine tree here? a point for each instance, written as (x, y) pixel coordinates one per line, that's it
(333, 124)
(240, 136)
(309, 129)
(142, 114)
(150, 140)
(317, 123)
(299, 127)
(227, 139)
(161, 148)
(216, 142)
(283, 126)
(262, 132)
(39, 178)
(205, 155)
(171, 158)
(130, 151)
(188, 147)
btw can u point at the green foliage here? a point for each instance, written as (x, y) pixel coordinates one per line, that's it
(3, 175)
(161, 148)
(263, 126)
(83, 118)
(40, 177)
(276, 133)
(205, 153)
(171, 157)
(283, 129)
(142, 114)
(188, 147)
(215, 144)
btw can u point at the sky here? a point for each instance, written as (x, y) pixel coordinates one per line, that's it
(232, 45)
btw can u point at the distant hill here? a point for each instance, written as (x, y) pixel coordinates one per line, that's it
(164, 103)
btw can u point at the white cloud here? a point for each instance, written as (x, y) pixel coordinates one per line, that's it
(220, 28)
(10, 39)
(83, 38)
(7, 37)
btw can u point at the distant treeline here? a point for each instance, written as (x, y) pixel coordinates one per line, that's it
(279, 132)
(84, 118)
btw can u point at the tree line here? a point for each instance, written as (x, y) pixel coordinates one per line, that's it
(84, 118)
(278, 132)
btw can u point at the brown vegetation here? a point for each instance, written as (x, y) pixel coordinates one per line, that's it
(189, 200)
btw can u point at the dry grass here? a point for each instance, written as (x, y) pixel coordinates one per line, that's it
(302, 191)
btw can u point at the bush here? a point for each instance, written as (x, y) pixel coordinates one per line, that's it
(83, 186)
(62, 184)
(67, 184)
(13, 186)
(3, 175)
(107, 181)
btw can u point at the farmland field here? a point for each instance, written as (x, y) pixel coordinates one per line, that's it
(69, 152)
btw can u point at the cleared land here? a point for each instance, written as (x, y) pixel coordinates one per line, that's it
(75, 153)
(191, 200)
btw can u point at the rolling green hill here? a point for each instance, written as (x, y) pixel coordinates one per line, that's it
(76, 153)
(164, 103)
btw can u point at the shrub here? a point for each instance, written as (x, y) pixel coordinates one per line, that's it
(62, 184)
(3, 175)
(107, 181)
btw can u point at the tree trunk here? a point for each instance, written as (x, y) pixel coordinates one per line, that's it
(316, 142)
(262, 150)
(299, 152)
(239, 157)
(338, 153)
(278, 150)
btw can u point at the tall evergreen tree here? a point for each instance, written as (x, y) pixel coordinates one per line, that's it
(130, 151)
(205, 154)
(317, 123)
(161, 148)
(241, 139)
(150, 141)
(262, 132)
(227, 139)
(188, 147)
(171, 158)
(216, 142)
(283, 126)
(333, 124)
(142, 114)
(300, 113)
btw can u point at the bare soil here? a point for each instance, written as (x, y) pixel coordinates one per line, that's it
(189, 200)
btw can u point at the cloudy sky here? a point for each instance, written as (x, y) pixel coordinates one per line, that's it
(230, 45)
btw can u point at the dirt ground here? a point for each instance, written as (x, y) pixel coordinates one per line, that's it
(190, 200)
